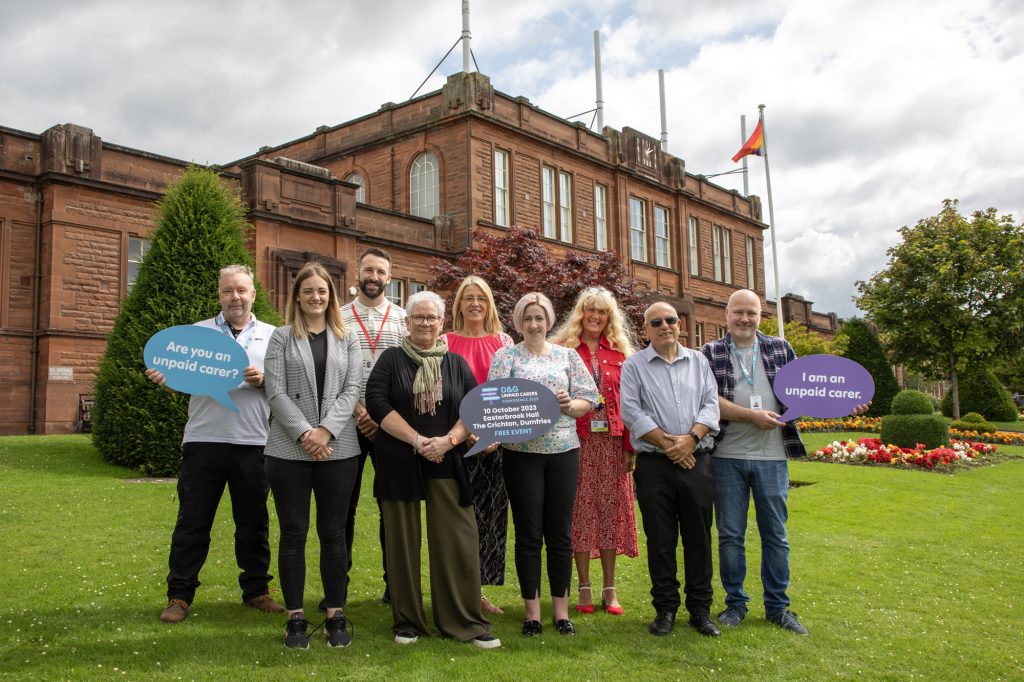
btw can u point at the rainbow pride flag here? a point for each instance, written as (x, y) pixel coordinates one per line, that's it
(754, 145)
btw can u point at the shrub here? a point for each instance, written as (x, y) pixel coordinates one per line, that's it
(861, 345)
(907, 430)
(972, 417)
(980, 391)
(910, 401)
(980, 426)
(200, 229)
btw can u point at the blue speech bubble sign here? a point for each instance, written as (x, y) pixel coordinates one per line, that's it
(508, 411)
(198, 360)
(822, 386)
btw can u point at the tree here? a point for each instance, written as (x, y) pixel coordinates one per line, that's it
(200, 229)
(803, 340)
(952, 293)
(981, 392)
(861, 345)
(515, 263)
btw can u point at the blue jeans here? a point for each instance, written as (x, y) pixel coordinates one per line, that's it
(768, 481)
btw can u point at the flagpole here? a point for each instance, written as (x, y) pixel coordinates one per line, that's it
(743, 141)
(771, 223)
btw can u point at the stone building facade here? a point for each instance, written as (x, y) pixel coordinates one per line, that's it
(420, 179)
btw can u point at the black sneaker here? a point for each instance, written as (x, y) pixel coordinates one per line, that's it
(295, 633)
(406, 637)
(732, 616)
(486, 642)
(787, 620)
(334, 629)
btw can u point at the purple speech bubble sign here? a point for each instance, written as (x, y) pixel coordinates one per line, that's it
(822, 386)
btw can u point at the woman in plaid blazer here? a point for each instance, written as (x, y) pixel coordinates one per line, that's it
(313, 376)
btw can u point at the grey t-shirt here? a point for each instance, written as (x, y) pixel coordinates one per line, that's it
(743, 440)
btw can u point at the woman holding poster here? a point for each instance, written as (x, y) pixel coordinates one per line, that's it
(414, 393)
(313, 375)
(476, 335)
(603, 520)
(541, 474)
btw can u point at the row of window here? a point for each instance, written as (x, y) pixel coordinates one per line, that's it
(424, 186)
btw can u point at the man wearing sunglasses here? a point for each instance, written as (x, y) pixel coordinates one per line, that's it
(669, 401)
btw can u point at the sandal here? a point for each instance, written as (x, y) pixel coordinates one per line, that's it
(487, 607)
(611, 608)
(585, 608)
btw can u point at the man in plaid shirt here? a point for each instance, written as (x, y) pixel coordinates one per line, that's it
(751, 452)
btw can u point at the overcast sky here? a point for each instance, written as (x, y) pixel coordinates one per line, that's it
(876, 110)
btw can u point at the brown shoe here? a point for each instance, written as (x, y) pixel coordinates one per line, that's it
(265, 603)
(176, 611)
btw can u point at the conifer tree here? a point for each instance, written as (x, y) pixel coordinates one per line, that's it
(861, 345)
(200, 228)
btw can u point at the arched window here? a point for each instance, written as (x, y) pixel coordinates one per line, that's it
(357, 179)
(424, 198)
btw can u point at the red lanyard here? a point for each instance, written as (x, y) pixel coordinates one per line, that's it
(373, 343)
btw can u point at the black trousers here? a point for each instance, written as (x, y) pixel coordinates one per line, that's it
(365, 448)
(677, 503)
(330, 482)
(542, 492)
(205, 469)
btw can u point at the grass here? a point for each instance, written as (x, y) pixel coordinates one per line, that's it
(897, 574)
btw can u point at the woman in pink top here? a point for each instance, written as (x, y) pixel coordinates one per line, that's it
(476, 335)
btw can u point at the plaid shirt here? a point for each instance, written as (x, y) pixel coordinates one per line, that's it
(775, 353)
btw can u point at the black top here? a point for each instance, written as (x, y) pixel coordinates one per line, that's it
(318, 346)
(400, 471)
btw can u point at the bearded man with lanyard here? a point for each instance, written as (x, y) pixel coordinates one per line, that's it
(379, 324)
(751, 453)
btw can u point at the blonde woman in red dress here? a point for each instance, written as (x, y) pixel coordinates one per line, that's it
(604, 519)
(476, 335)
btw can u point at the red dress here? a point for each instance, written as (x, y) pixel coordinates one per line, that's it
(604, 516)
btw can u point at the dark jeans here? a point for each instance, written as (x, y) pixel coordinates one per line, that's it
(542, 492)
(205, 469)
(365, 448)
(331, 484)
(677, 503)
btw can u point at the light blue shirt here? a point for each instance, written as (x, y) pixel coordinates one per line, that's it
(671, 395)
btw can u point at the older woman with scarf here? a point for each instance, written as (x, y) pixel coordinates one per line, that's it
(414, 393)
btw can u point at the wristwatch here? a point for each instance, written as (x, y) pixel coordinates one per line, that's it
(453, 440)
(694, 436)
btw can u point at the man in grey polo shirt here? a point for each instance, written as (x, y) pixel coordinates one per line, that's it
(669, 401)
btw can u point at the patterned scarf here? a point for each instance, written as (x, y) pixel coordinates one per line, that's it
(426, 387)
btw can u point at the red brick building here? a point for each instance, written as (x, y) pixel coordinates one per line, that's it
(418, 178)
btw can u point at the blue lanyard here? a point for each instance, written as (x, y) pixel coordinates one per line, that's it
(749, 376)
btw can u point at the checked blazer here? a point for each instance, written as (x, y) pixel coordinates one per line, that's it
(291, 392)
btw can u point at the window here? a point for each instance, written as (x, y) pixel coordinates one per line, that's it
(416, 287)
(694, 237)
(137, 249)
(357, 179)
(698, 335)
(501, 188)
(751, 281)
(721, 331)
(424, 198)
(600, 218)
(565, 206)
(548, 201)
(662, 240)
(721, 250)
(637, 229)
(395, 292)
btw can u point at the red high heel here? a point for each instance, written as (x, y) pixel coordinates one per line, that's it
(585, 608)
(610, 609)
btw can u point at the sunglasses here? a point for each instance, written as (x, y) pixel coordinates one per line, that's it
(656, 322)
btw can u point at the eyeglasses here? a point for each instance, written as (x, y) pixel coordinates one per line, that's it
(656, 322)
(425, 319)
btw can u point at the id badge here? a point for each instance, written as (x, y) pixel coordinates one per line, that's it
(368, 365)
(599, 426)
(755, 402)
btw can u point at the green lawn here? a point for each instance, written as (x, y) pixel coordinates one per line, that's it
(897, 574)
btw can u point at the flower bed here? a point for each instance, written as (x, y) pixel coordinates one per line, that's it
(874, 425)
(812, 425)
(961, 454)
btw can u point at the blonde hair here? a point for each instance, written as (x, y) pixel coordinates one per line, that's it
(618, 331)
(492, 323)
(293, 314)
(533, 298)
